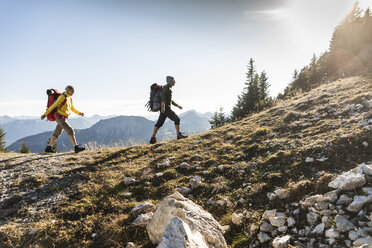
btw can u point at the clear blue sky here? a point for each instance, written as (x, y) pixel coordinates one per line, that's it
(113, 50)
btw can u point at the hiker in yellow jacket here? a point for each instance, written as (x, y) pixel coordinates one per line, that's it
(65, 106)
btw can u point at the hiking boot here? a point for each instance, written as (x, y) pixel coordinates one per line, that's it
(49, 149)
(79, 149)
(181, 136)
(152, 140)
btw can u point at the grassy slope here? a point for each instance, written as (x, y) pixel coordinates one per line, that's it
(258, 154)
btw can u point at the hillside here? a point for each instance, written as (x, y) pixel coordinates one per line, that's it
(299, 145)
(116, 131)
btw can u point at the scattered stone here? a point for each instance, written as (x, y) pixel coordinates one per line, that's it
(309, 160)
(266, 227)
(281, 242)
(348, 181)
(291, 221)
(143, 219)
(184, 165)
(282, 193)
(332, 233)
(358, 202)
(131, 245)
(159, 174)
(319, 229)
(129, 181)
(312, 218)
(268, 214)
(367, 169)
(142, 208)
(220, 167)
(165, 163)
(277, 221)
(195, 182)
(263, 237)
(365, 144)
(237, 219)
(344, 200)
(342, 224)
(184, 190)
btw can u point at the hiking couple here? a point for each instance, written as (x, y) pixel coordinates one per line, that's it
(63, 107)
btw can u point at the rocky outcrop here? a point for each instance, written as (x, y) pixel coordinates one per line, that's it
(341, 217)
(178, 218)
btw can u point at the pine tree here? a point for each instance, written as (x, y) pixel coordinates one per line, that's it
(24, 148)
(219, 119)
(2, 141)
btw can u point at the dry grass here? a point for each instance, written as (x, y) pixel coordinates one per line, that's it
(258, 154)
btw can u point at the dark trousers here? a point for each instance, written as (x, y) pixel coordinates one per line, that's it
(167, 113)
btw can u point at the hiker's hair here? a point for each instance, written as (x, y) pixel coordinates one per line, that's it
(70, 87)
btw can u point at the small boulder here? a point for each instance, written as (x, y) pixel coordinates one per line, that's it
(129, 181)
(281, 242)
(142, 208)
(195, 182)
(237, 219)
(348, 181)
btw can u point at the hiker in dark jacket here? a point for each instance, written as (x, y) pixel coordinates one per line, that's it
(166, 111)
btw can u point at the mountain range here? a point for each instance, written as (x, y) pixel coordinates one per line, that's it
(116, 131)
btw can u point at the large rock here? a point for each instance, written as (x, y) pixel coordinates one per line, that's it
(198, 220)
(179, 235)
(367, 169)
(348, 180)
(359, 201)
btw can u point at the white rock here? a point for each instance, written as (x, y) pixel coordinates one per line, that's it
(363, 241)
(309, 160)
(367, 191)
(277, 221)
(281, 242)
(94, 235)
(184, 190)
(143, 219)
(128, 195)
(268, 214)
(272, 196)
(263, 237)
(220, 167)
(192, 214)
(178, 234)
(367, 169)
(353, 235)
(319, 229)
(282, 193)
(165, 163)
(131, 245)
(184, 165)
(195, 182)
(142, 208)
(344, 200)
(343, 224)
(283, 229)
(312, 218)
(311, 201)
(365, 144)
(159, 174)
(266, 227)
(348, 181)
(332, 233)
(291, 221)
(129, 180)
(331, 196)
(237, 219)
(359, 201)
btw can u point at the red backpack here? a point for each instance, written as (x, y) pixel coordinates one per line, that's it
(53, 95)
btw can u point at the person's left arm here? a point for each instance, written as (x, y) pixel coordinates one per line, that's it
(175, 104)
(74, 110)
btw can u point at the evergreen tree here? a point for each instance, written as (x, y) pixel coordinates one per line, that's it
(2, 141)
(263, 86)
(219, 119)
(24, 148)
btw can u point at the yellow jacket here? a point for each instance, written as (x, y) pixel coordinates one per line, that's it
(64, 109)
